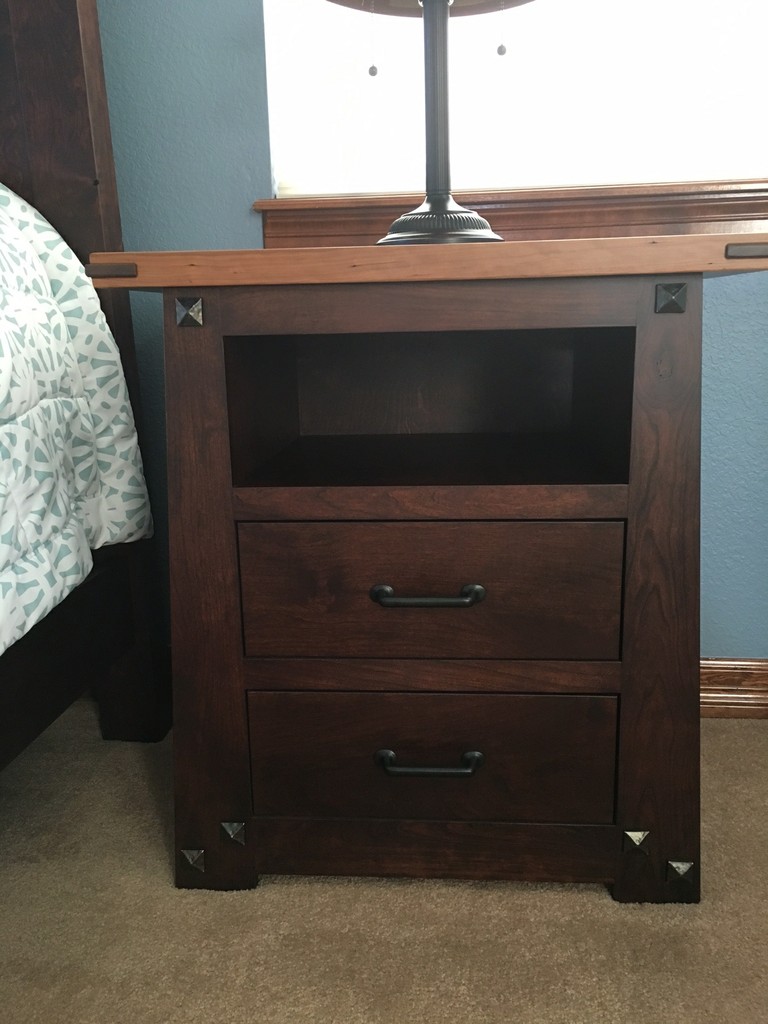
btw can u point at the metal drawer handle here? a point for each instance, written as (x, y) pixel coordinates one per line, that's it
(470, 759)
(384, 595)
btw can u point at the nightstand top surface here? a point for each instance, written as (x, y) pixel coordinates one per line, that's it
(517, 260)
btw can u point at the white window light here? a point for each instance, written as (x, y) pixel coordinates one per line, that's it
(588, 92)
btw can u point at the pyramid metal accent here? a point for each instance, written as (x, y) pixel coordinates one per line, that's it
(189, 312)
(235, 830)
(636, 841)
(196, 858)
(671, 298)
(679, 869)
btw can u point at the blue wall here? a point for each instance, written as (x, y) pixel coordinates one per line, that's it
(187, 92)
(188, 108)
(734, 476)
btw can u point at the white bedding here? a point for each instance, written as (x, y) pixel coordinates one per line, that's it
(71, 476)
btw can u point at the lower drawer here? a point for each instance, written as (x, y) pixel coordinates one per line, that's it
(543, 758)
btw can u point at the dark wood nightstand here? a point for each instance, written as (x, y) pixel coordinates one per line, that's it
(434, 557)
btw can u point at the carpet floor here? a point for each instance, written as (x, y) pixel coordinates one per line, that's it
(92, 930)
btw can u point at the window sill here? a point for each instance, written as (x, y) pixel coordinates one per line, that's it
(585, 212)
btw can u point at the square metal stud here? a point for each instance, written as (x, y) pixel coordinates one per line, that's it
(196, 858)
(235, 830)
(189, 312)
(671, 298)
(679, 870)
(636, 841)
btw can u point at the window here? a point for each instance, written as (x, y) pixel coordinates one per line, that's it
(588, 92)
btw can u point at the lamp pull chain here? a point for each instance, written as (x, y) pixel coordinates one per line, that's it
(373, 69)
(501, 48)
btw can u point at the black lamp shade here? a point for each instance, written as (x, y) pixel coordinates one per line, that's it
(412, 8)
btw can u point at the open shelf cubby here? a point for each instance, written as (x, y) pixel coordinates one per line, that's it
(431, 408)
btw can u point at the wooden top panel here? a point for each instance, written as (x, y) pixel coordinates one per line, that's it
(569, 257)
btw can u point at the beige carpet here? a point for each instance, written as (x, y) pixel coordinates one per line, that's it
(92, 929)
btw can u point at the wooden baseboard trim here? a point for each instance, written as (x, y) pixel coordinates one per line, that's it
(734, 688)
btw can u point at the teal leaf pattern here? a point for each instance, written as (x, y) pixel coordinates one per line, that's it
(71, 476)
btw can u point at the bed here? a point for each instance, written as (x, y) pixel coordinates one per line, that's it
(78, 606)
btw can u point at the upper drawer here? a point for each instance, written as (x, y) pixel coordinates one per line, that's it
(552, 590)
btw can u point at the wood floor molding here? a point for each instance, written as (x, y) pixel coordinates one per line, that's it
(734, 687)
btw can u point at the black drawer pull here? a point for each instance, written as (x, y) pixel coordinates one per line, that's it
(384, 595)
(470, 759)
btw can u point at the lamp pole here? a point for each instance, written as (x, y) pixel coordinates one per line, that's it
(436, 17)
(439, 219)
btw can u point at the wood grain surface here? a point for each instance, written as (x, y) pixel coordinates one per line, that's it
(569, 257)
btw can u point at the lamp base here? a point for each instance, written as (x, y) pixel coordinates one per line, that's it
(439, 220)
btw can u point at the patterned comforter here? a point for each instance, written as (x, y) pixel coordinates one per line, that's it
(71, 476)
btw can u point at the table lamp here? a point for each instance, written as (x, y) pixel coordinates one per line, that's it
(439, 218)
